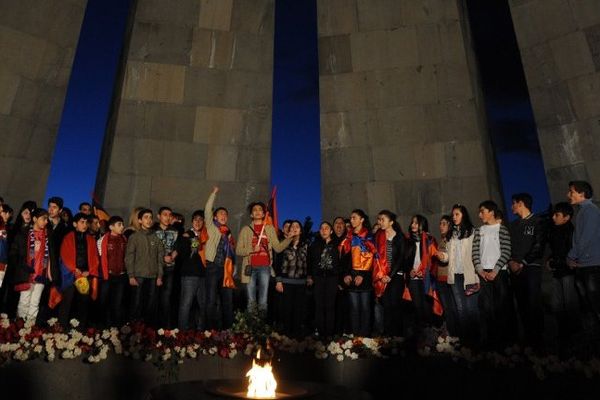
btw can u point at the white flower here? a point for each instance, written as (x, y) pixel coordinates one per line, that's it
(52, 321)
(74, 323)
(232, 353)
(353, 356)
(148, 357)
(161, 332)
(340, 358)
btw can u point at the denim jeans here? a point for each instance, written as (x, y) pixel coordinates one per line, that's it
(565, 306)
(219, 299)
(166, 294)
(143, 300)
(193, 288)
(497, 312)
(527, 287)
(259, 283)
(467, 310)
(111, 300)
(325, 292)
(360, 312)
(450, 315)
(393, 307)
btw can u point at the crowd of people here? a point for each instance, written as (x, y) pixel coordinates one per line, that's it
(482, 284)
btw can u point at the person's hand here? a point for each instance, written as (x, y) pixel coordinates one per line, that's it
(482, 274)
(85, 274)
(159, 282)
(133, 281)
(491, 275)
(386, 279)
(279, 287)
(215, 190)
(515, 267)
(348, 280)
(571, 263)
(419, 274)
(358, 280)
(309, 281)
(413, 273)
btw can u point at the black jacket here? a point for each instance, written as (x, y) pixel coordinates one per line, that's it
(187, 255)
(560, 239)
(527, 240)
(18, 256)
(315, 268)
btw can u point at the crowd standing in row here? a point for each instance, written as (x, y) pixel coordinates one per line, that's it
(482, 284)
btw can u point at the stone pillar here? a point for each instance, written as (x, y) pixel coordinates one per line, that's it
(402, 121)
(37, 45)
(559, 42)
(194, 109)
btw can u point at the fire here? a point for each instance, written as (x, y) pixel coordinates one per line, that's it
(262, 383)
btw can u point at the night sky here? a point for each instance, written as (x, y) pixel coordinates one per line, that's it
(295, 146)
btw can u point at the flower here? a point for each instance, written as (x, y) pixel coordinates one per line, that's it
(74, 323)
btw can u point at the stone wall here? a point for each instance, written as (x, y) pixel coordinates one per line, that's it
(37, 45)
(559, 42)
(194, 109)
(402, 121)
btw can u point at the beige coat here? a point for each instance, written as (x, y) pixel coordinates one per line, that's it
(214, 235)
(244, 247)
(466, 248)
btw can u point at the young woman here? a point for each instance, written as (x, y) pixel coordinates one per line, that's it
(421, 247)
(291, 281)
(388, 277)
(462, 277)
(444, 290)
(324, 270)
(358, 252)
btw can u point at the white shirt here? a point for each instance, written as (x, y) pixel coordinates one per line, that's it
(489, 245)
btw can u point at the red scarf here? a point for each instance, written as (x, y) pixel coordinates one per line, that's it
(381, 267)
(229, 265)
(37, 252)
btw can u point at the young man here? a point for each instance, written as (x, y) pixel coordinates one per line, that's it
(112, 248)
(58, 230)
(32, 256)
(525, 263)
(256, 244)
(220, 262)
(584, 256)
(565, 301)
(168, 236)
(144, 262)
(79, 255)
(192, 248)
(94, 228)
(491, 252)
(85, 208)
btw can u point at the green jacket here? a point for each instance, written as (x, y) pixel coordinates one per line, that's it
(144, 257)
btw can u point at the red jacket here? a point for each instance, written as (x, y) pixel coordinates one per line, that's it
(68, 254)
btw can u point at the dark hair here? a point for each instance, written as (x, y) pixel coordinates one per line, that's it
(287, 221)
(564, 208)
(499, 214)
(6, 208)
(295, 221)
(56, 200)
(525, 198)
(257, 203)
(491, 206)
(160, 210)
(114, 219)
(366, 223)
(421, 221)
(30, 205)
(448, 219)
(342, 218)
(143, 211)
(465, 229)
(38, 212)
(392, 217)
(219, 209)
(79, 216)
(85, 203)
(198, 213)
(583, 187)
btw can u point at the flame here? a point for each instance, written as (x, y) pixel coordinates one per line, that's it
(262, 383)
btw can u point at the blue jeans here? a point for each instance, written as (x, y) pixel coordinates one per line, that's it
(143, 300)
(467, 310)
(217, 295)
(360, 312)
(192, 288)
(165, 297)
(259, 282)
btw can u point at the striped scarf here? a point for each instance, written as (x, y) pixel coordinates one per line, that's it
(37, 259)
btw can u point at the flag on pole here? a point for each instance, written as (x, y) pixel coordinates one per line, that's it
(99, 211)
(271, 216)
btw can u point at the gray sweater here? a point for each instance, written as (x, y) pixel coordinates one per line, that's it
(144, 257)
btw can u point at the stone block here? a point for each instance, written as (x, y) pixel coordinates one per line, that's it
(585, 95)
(589, 132)
(417, 197)
(592, 35)
(154, 82)
(429, 44)
(50, 104)
(538, 21)
(559, 178)
(247, 89)
(539, 66)
(340, 199)
(205, 87)
(253, 52)
(572, 55)
(379, 14)
(215, 14)
(347, 129)
(469, 191)
(452, 43)
(454, 82)
(212, 49)
(342, 92)
(125, 192)
(255, 16)
(9, 84)
(21, 53)
(335, 55)
(561, 145)
(554, 104)
(26, 99)
(384, 49)
(430, 160)
(133, 156)
(336, 17)
(28, 181)
(585, 12)
(464, 159)
(381, 196)
(401, 86)
(359, 158)
(216, 125)
(191, 193)
(403, 124)
(41, 144)
(160, 43)
(393, 163)
(186, 13)
(254, 164)
(16, 136)
(222, 163)
(185, 160)
(257, 127)
(452, 120)
(422, 11)
(159, 121)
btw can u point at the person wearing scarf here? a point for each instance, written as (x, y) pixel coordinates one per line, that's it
(358, 252)
(220, 264)
(78, 259)
(33, 265)
(388, 278)
(192, 254)
(421, 247)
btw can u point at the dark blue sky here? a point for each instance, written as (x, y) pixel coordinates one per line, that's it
(296, 153)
